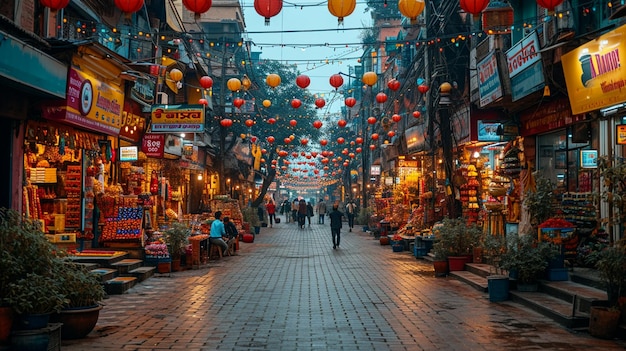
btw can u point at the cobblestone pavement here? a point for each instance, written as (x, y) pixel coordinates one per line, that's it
(289, 290)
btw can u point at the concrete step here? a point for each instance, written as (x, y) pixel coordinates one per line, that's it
(474, 280)
(126, 265)
(90, 266)
(482, 269)
(119, 285)
(142, 273)
(572, 292)
(552, 307)
(105, 273)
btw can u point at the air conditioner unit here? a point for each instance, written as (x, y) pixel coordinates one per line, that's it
(162, 99)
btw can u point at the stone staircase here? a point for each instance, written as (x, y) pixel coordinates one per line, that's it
(120, 274)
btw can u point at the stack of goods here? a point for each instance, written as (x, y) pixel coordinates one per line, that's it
(156, 249)
(73, 186)
(126, 226)
(469, 193)
(511, 165)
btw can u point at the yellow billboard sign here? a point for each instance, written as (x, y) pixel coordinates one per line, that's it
(594, 74)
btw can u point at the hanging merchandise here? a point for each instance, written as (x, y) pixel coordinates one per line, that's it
(511, 165)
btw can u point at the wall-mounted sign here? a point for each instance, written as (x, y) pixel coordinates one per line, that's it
(128, 153)
(153, 145)
(90, 103)
(489, 82)
(173, 145)
(375, 170)
(620, 133)
(589, 158)
(594, 74)
(407, 163)
(177, 118)
(523, 54)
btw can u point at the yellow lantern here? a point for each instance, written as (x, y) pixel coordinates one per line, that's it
(411, 8)
(273, 80)
(445, 88)
(245, 81)
(176, 75)
(233, 84)
(242, 136)
(267, 103)
(369, 78)
(341, 8)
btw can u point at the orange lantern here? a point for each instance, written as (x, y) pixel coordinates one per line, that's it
(273, 80)
(411, 8)
(268, 8)
(369, 78)
(176, 75)
(233, 84)
(341, 8)
(129, 6)
(267, 103)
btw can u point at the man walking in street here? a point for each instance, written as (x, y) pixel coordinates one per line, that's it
(321, 211)
(351, 211)
(336, 218)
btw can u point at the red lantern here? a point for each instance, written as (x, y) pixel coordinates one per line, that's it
(238, 102)
(336, 80)
(304, 141)
(381, 98)
(129, 6)
(342, 123)
(303, 81)
(317, 124)
(226, 122)
(295, 103)
(372, 147)
(391, 134)
(319, 102)
(206, 82)
(203, 102)
(325, 160)
(359, 150)
(293, 122)
(287, 140)
(422, 88)
(268, 8)
(294, 155)
(253, 139)
(393, 84)
(350, 102)
(341, 140)
(549, 4)
(270, 139)
(198, 7)
(359, 140)
(346, 164)
(271, 120)
(282, 153)
(325, 153)
(371, 120)
(56, 5)
(475, 7)
(314, 153)
(396, 118)
(323, 142)
(416, 114)
(375, 136)
(249, 123)
(351, 155)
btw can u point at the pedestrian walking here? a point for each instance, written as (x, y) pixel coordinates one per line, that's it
(321, 211)
(302, 213)
(285, 209)
(351, 212)
(295, 205)
(309, 212)
(336, 218)
(271, 212)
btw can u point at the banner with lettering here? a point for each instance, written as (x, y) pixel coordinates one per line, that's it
(525, 67)
(489, 82)
(177, 119)
(153, 145)
(594, 75)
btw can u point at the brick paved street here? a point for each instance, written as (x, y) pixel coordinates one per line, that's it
(289, 290)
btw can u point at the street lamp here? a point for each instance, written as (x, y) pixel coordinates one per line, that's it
(446, 140)
(369, 79)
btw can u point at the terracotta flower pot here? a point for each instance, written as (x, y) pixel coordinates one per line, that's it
(78, 322)
(6, 322)
(441, 268)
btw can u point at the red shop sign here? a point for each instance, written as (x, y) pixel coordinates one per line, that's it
(153, 145)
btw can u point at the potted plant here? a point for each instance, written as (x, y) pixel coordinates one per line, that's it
(459, 239)
(250, 215)
(440, 259)
(176, 238)
(83, 293)
(34, 298)
(539, 202)
(611, 265)
(528, 258)
(363, 217)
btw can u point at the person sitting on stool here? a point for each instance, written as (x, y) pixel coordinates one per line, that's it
(231, 233)
(218, 233)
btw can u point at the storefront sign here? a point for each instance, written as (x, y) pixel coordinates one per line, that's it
(523, 54)
(143, 90)
(589, 158)
(407, 163)
(153, 145)
(133, 124)
(489, 83)
(173, 145)
(128, 153)
(90, 104)
(488, 131)
(177, 118)
(550, 116)
(414, 138)
(594, 74)
(527, 82)
(620, 132)
(375, 170)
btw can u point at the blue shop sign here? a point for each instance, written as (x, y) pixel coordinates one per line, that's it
(31, 68)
